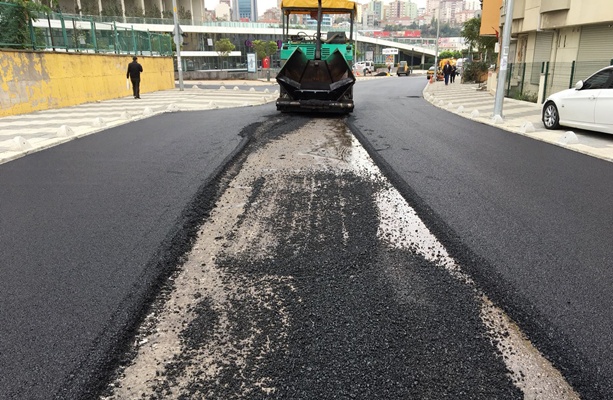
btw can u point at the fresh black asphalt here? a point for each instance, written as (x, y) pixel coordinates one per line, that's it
(332, 311)
(87, 230)
(530, 221)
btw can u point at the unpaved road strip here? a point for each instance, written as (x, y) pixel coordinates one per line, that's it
(313, 279)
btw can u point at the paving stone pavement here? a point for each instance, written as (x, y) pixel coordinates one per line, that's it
(27, 133)
(521, 117)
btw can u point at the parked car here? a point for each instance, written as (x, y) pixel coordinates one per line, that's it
(588, 106)
(365, 67)
(403, 69)
(430, 72)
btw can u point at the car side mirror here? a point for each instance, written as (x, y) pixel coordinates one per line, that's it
(579, 85)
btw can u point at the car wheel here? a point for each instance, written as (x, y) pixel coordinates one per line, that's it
(551, 117)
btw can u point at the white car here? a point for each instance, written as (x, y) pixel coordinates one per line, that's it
(588, 106)
(365, 67)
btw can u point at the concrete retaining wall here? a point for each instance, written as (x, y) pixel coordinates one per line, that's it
(226, 75)
(33, 81)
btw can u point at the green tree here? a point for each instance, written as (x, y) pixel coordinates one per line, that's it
(184, 14)
(134, 11)
(15, 22)
(89, 7)
(223, 47)
(153, 12)
(264, 48)
(112, 9)
(450, 54)
(484, 45)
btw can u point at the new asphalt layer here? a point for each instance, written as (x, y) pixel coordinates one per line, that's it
(27, 133)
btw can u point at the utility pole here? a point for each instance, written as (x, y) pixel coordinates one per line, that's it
(178, 43)
(504, 56)
(438, 32)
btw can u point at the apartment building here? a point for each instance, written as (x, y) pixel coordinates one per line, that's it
(454, 12)
(573, 35)
(400, 9)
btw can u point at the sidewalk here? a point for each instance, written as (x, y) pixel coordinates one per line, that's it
(520, 117)
(28, 133)
(24, 134)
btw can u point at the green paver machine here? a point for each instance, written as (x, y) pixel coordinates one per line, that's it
(315, 75)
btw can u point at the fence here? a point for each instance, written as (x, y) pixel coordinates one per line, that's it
(523, 80)
(53, 31)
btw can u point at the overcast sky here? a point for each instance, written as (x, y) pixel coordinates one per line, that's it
(264, 5)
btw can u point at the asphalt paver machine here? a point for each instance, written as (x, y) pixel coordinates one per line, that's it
(315, 73)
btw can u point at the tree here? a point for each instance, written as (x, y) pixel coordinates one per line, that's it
(112, 9)
(15, 22)
(264, 49)
(184, 14)
(223, 47)
(450, 54)
(483, 44)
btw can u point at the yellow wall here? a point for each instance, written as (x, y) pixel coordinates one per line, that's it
(33, 81)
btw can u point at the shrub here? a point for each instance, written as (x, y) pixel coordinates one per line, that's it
(473, 72)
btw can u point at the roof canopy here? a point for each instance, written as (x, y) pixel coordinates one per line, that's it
(327, 6)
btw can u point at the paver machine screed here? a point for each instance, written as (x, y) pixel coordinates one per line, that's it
(315, 75)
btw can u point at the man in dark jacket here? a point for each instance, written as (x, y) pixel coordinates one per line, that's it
(447, 72)
(134, 70)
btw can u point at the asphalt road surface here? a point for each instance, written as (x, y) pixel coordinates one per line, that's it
(88, 229)
(531, 222)
(309, 280)
(299, 295)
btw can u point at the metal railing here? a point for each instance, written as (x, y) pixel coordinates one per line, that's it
(73, 33)
(523, 79)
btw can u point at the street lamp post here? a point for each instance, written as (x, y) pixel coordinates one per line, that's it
(178, 43)
(504, 55)
(412, 54)
(438, 32)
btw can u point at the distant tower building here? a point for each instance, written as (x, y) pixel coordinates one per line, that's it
(245, 9)
(222, 12)
(375, 7)
(411, 10)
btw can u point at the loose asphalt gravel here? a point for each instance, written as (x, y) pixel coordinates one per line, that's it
(303, 298)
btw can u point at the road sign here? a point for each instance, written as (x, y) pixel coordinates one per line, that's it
(390, 50)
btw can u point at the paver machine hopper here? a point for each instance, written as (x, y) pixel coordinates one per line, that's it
(315, 73)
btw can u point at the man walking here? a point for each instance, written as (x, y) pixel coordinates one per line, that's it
(447, 72)
(134, 70)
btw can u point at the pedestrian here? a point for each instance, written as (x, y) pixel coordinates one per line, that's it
(454, 72)
(389, 68)
(134, 70)
(447, 72)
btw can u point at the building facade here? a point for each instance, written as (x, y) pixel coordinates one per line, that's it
(564, 38)
(245, 10)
